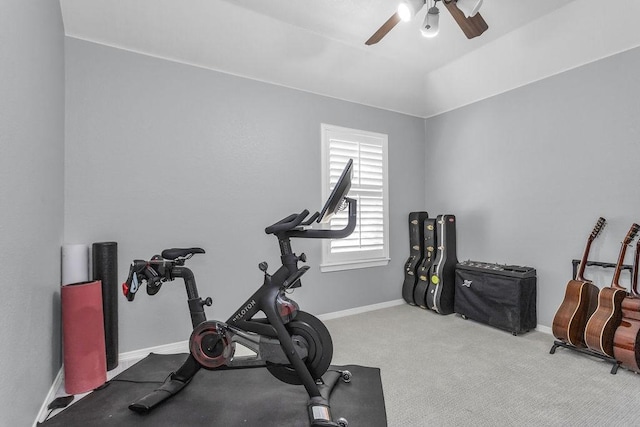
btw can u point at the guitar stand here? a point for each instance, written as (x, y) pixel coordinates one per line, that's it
(576, 262)
(586, 351)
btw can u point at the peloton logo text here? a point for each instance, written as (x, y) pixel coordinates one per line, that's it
(244, 311)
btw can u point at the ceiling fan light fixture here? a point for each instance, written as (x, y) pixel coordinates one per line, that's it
(407, 9)
(431, 25)
(469, 7)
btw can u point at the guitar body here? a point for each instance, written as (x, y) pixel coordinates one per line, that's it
(626, 341)
(631, 308)
(580, 300)
(441, 287)
(416, 252)
(602, 325)
(420, 291)
(579, 304)
(626, 344)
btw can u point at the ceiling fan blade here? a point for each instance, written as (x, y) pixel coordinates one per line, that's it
(472, 26)
(382, 31)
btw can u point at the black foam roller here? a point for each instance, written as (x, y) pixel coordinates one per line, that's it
(105, 269)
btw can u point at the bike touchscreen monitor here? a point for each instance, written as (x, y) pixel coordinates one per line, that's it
(334, 202)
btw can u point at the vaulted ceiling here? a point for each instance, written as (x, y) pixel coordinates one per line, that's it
(318, 46)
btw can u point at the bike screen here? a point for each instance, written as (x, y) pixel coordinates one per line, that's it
(334, 202)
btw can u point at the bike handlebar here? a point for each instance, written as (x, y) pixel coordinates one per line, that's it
(328, 233)
(285, 224)
(157, 270)
(166, 267)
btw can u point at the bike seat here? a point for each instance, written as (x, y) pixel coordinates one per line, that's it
(175, 253)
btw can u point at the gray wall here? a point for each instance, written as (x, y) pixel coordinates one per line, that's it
(529, 172)
(161, 154)
(32, 195)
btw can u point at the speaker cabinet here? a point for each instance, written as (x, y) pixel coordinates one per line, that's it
(503, 296)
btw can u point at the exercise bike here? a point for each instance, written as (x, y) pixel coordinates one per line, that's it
(294, 346)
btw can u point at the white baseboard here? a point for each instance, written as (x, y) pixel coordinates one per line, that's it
(544, 329)
(359, 310)
(57, 383)
(172, 348)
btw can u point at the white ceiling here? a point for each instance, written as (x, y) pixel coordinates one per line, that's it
(318, 46)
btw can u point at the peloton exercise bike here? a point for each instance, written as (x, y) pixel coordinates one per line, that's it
(293, 345)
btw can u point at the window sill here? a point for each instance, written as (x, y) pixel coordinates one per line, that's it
(352, 265)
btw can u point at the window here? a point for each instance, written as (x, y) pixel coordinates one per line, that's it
(368, 245)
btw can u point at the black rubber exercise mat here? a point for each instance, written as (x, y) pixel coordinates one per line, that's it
(235, 397)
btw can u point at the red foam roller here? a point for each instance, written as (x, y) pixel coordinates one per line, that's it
(85, 363)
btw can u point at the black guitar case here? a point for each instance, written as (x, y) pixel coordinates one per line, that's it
(442, 276)
(416, 252)
(420, 292)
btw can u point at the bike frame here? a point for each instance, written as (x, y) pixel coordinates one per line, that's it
(262, 300)
(241, 326)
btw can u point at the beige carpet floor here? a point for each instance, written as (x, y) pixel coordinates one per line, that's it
(447, 371)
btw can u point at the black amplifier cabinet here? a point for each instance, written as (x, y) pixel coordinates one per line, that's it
(503, 296)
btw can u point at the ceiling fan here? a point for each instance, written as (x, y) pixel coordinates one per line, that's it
(464, 12)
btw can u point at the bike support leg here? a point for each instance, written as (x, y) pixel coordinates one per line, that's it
(182, 376)
(171, 386)
(318, 407)
(317, 415)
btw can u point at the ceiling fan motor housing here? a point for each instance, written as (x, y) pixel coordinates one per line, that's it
(407, 9)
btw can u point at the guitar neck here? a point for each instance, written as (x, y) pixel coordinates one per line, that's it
(616, 274)
(623, 250)
(583, 261)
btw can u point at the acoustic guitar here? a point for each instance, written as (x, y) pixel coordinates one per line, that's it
(602, 325)
(580, 300)
(626, 341)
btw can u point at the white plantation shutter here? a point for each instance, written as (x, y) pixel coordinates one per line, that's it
(368, 244)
